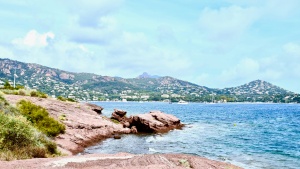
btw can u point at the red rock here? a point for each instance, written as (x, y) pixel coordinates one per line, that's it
(119, 112)
(95, 108)
(155, 121)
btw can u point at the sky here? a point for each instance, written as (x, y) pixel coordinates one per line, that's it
(217, 44)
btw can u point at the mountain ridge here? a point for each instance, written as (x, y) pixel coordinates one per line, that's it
(90, 86)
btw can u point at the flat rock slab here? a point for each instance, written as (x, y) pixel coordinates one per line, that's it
(120, 161)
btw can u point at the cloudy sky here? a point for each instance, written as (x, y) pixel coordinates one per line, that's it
(217, 44)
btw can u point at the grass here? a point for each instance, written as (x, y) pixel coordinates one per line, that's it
(115, 121)
(65, 99)
(24, 92)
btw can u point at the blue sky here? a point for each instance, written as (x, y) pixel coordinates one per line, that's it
(217, 44)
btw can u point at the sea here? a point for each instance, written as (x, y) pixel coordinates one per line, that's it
(250, 135)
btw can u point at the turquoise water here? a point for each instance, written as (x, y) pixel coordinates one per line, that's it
(248, 135)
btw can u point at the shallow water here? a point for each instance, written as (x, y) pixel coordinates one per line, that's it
(248, 135)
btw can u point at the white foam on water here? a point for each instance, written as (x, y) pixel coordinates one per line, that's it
(152, 150)
(156, 138)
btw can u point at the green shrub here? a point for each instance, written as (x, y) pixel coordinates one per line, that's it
(61, 98)
(40, 118)
(6, 108)
(20, 140)
(43, 95)
(40, 94)
(33, 93)
(71, 100)
(22, 92)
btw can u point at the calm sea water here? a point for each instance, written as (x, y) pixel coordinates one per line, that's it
(248, 135)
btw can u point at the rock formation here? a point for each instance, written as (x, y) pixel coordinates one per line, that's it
(153, 122)
(84, 127)
(95, 108)
(120, 115)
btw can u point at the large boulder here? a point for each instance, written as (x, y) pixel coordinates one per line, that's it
(120, 115)
(155, 121)
(95, 108)
(152, 122)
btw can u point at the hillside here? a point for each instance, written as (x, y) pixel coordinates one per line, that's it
(88, 86)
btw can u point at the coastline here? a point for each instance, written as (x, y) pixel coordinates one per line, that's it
(85, 128)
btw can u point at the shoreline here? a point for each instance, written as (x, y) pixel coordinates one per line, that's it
(84, 128)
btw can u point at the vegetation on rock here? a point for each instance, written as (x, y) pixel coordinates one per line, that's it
(39, 117)
(19, 139)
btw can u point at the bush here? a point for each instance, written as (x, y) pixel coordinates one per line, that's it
(20, 140)
(43, 95)
(33, 93)
(40, 118)
(22, 92)
(71, 100)
(6, 108)
(61, 98)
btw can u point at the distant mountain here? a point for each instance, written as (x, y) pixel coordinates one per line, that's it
(88, 86)
(257, 87)
(145, 75)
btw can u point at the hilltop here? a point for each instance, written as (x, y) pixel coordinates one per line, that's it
(89, 86)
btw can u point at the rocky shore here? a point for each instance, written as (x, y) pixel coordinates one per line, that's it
(86, 126)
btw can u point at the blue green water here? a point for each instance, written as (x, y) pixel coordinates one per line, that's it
(248, 135)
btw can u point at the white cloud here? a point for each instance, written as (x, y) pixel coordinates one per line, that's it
(281, 9)
(227, 22)
(246, 69)
(132, 53)
(34, 39)
(165, 33)
(90, 13)
(293, 49)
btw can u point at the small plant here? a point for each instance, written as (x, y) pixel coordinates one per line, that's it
(62, 117)
(22, 92)
(115, 121)
(40, 118)
(42, 95)
(33, 93)
(185, 163)
(61, 98)
(71, 100)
